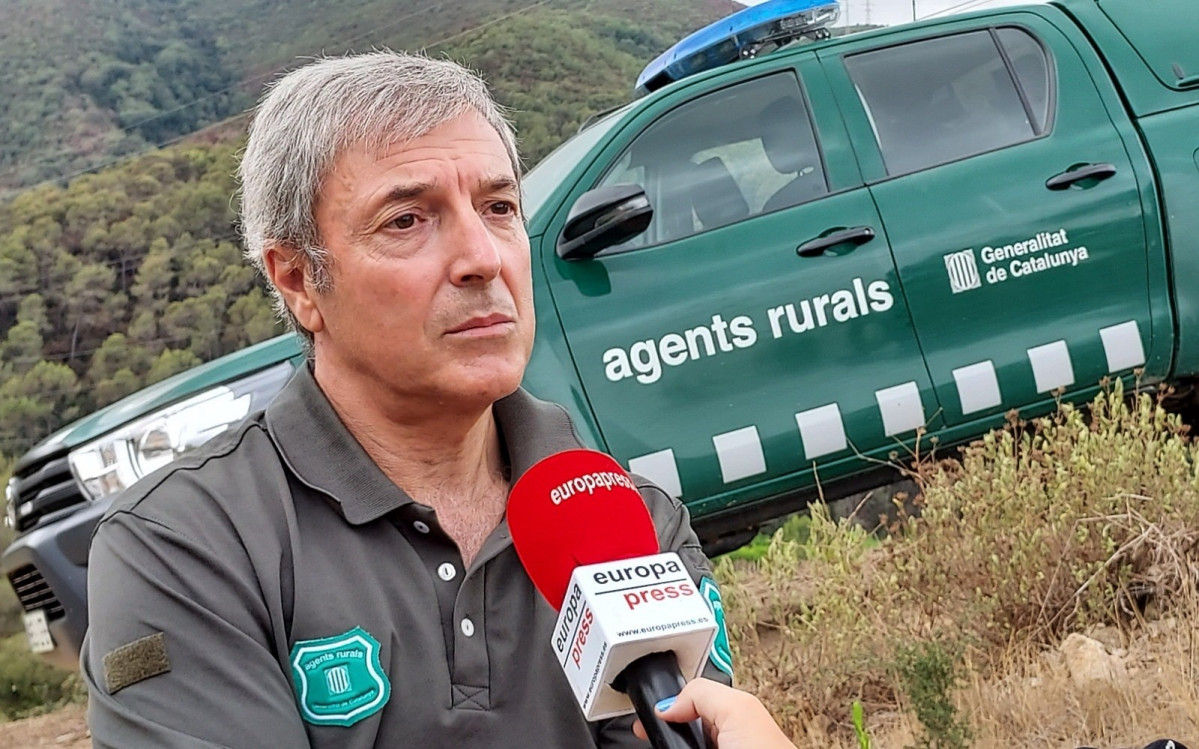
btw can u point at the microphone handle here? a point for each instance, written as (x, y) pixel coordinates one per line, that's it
(648, 680)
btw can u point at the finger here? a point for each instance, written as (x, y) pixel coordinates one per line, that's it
(680, 709)
(639, 731)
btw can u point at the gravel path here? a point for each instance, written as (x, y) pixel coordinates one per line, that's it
(65, 728)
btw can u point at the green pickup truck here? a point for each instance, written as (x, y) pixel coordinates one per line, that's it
(774, 275)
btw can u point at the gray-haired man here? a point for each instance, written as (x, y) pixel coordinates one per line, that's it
(337, 571)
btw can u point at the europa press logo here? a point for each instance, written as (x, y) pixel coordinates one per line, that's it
(963, 271)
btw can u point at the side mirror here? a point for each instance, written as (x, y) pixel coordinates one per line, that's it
(604, 217)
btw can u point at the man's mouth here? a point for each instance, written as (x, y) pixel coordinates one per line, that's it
(484, 325)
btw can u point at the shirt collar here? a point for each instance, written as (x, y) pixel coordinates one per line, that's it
(323, 454)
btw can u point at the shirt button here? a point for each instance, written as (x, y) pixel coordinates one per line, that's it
(468, 627)
(446, 572)
(421, 526)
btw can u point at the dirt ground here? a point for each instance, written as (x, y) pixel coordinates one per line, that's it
(65, 728)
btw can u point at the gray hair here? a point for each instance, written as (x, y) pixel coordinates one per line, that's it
(311, 116)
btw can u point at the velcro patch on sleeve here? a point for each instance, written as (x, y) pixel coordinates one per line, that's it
(137, 661)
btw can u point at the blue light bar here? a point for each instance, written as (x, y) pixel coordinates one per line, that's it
(746, 33)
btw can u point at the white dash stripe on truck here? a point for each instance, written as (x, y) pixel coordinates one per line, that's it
(821, 431)
(740, 454)
(1051, 367)
(901, 408)
(978, 387)
(1122, 345)
(660, 468)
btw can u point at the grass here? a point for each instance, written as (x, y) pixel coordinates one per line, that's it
(29, 686)
(794, 528)
(949, 630)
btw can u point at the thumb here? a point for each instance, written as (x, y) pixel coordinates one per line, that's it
(699, 697)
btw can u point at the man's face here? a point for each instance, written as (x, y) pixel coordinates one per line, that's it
(431, 294)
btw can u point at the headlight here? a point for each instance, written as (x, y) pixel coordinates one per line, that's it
(119, 458)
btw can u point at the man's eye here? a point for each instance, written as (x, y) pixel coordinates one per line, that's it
(503, 208)
(407, 221)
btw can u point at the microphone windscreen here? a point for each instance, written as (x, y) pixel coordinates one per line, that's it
(575, 508)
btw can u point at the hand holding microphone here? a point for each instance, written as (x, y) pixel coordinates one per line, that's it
(632, 628)
(732, 718)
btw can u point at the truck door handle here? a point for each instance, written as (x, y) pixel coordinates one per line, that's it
(1184, 80)
(1072, 175)
(858, 235)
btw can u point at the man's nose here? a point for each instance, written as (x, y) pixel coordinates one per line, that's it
(476, 250)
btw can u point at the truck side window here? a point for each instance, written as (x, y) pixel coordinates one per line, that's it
(939, 100)
(1031, 67)
(724, 157)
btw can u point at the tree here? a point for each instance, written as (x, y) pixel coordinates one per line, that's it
(250, 320)
(155, 279)
(32, 308)
(91, 317)
(36, 402)
(195, 324)
(18, 268)
(121, 383)
(21, 347)
(169, 362)
(144, 330)
(115, 354)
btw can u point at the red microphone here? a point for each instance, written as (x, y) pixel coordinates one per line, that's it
(631, 624)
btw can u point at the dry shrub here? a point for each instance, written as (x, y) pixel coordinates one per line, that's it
(1041, 529)
(1064, 522)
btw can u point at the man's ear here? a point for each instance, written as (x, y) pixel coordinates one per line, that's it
(287, 270)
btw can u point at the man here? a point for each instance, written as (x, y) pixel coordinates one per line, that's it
(337, 572)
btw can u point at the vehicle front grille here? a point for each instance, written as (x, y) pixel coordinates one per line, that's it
(33, 592)
(43, 488)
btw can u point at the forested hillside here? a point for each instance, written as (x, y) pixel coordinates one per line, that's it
(114, 279)
(87, 81)
(118, 280)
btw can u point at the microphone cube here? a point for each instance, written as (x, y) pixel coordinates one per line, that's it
(616, 612)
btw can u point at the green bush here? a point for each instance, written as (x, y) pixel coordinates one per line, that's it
(929, 675)
(794, 528)
(28, 685)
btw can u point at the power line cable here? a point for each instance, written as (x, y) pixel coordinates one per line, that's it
(80, 353)
(486, 24)
(960, 6)
(20, 293)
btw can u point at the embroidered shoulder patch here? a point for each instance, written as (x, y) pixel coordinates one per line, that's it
(137, 661)
(339, 680)
(722, 652)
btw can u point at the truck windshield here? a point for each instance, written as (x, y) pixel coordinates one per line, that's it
(550, 171)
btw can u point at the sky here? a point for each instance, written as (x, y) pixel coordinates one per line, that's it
(889, 12)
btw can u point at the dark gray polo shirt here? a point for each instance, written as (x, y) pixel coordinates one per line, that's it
(304, 600)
